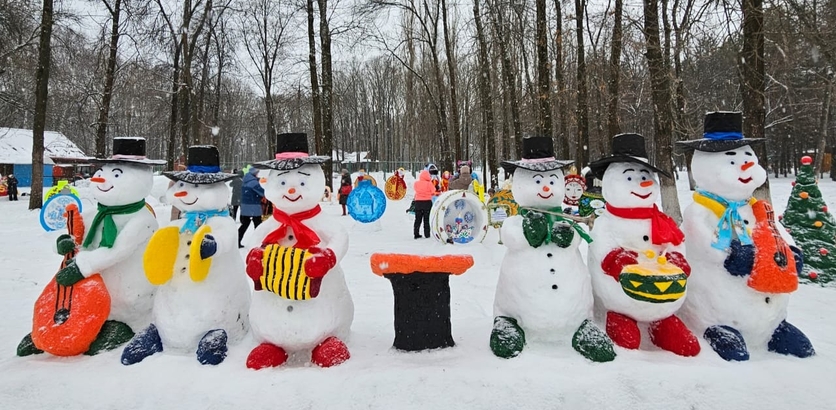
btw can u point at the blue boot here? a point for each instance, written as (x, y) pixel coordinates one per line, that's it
(145, 344)
(787, 339)
(212, 347)
(727, 342)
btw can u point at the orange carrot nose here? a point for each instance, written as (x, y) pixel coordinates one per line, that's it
(97, 180)
(179, 194)
(747, 166)
(263, 180)
(291, 191)
(545, 189)
(645, 184)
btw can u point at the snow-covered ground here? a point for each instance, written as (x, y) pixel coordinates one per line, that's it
(467, 376)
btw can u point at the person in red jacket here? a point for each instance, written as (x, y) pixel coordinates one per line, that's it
(424, 192)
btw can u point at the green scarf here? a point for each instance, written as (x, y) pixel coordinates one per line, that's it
(105, 218)
(552, 216)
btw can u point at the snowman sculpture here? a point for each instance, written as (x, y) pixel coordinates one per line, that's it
(301, 303)
(741, 279)
(202, 300)
(544, 292)
(639, 273)
(115, 235)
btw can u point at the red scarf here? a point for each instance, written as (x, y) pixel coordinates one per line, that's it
(663, 229)
(305, 237)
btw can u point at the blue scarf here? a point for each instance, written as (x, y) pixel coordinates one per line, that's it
(194, 219)
(730, 222)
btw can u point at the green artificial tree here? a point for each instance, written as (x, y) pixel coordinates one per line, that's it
(811, 226)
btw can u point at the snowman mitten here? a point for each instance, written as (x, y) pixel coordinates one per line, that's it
(562, 235)
(616, 260)
(69, 275)
(321, 261)
(679, 261)
(535, 228)
(741, 259)
(592, 343)
(64, 244)
(208, 247)
(255, 267)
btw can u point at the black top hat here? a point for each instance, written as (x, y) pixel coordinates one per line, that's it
(537, 155)
(722, 131)
(131, 150)
(204, 167)
(625, 148)
(291, 153)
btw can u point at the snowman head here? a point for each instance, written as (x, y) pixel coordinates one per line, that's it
(733, 174)
(538, 189)
(198, 197)
(630, 185)
(294, 190)
(121, 183)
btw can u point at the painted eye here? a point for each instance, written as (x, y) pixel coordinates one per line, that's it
(116, 175)
(644, 178)
(182, 184)
(732, 162)
(551, 182)
(629, 178)
(282, 182)
(537, 181)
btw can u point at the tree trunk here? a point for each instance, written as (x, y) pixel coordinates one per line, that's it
(662, 116)
(544, 125)
(510, 91)
(560, 84)
(171, 154)
(317, 110)
(824, 122)
(327, 86)
(582, 148)
(753, 80)
(486, 99)
(198, 117)
(41, 97)
(613, 126)
(451, 69)
(110, 72)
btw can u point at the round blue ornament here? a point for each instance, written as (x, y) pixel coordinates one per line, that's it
(366, 203)
(52, 213)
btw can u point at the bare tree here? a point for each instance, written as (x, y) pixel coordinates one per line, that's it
(115, 11)
(327, 88)
(753, 79)
(613, 82)
(582, 111)
(544, 89)
(41, 97)
(485, 98)
(314, 77)
(449, 49)
(560, 83)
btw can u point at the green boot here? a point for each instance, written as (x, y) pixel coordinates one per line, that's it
(112, 335)
(592, 343)
(507, 337)
(27, 347)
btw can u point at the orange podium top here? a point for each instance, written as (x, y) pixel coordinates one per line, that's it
(399, 263)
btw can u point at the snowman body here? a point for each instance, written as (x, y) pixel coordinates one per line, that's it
(300, 325)
(547, 289)
(120, 266)
(185, 310)
(716, 297)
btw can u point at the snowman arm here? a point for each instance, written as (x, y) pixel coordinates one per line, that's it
(512, 233)
(132, 237)
(799, 258)
(256, 238)
(741, 259)
(336, 240)
(225, 234)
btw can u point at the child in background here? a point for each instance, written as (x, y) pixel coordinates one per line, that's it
(345, 189)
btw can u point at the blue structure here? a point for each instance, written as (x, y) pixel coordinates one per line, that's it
(23, 173)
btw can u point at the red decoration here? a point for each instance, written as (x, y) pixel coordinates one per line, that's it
(823, 252)
(793, 183)
(824, 208)
(780, 217)
(813, 275)
(806, 160)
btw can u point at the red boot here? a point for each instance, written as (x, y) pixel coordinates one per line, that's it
(330, 352)
(623, 330)
(266, 355)
(671, 334)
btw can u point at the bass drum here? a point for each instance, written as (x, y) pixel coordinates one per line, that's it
(459, 217)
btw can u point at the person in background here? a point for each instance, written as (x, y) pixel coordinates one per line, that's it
(345, 189)
(11, 185)
(424, 192)
(251, 200)
(235, 200)
(464, 180)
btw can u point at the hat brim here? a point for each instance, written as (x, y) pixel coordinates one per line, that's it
(511, 166)
(290, 164)
(128, 161)
(600, 166)
(708, 145)
(199, 178)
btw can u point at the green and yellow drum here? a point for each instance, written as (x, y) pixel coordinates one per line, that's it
(653, 280)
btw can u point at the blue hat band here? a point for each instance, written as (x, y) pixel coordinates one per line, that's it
(723, 135)
(204, 169)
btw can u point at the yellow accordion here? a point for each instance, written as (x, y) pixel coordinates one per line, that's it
(284, 273)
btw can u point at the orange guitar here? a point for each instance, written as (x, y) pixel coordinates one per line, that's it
(67, 319)
(774, 270)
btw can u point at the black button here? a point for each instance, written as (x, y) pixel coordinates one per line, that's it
(646, 238)
(549, 255)
(290, 237)
(189, 243)
(290, 308)
(746, 221)
(554, 286)
(187, 256)
(767, 299)
(552, 270)
(182, 269)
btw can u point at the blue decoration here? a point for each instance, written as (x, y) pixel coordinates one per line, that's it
(52, 213)
(204, 169)
(723, 135)
(366, 203)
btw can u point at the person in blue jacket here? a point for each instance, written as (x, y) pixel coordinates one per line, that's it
(251, 195)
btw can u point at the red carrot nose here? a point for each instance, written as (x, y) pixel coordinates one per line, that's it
(646, 184)
(263, 180)
(97, 180)
(545, 189)
(179, 194)
(291, 191)
(747, 166)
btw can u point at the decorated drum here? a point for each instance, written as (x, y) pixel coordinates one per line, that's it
(653, 280)
(459, 217)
